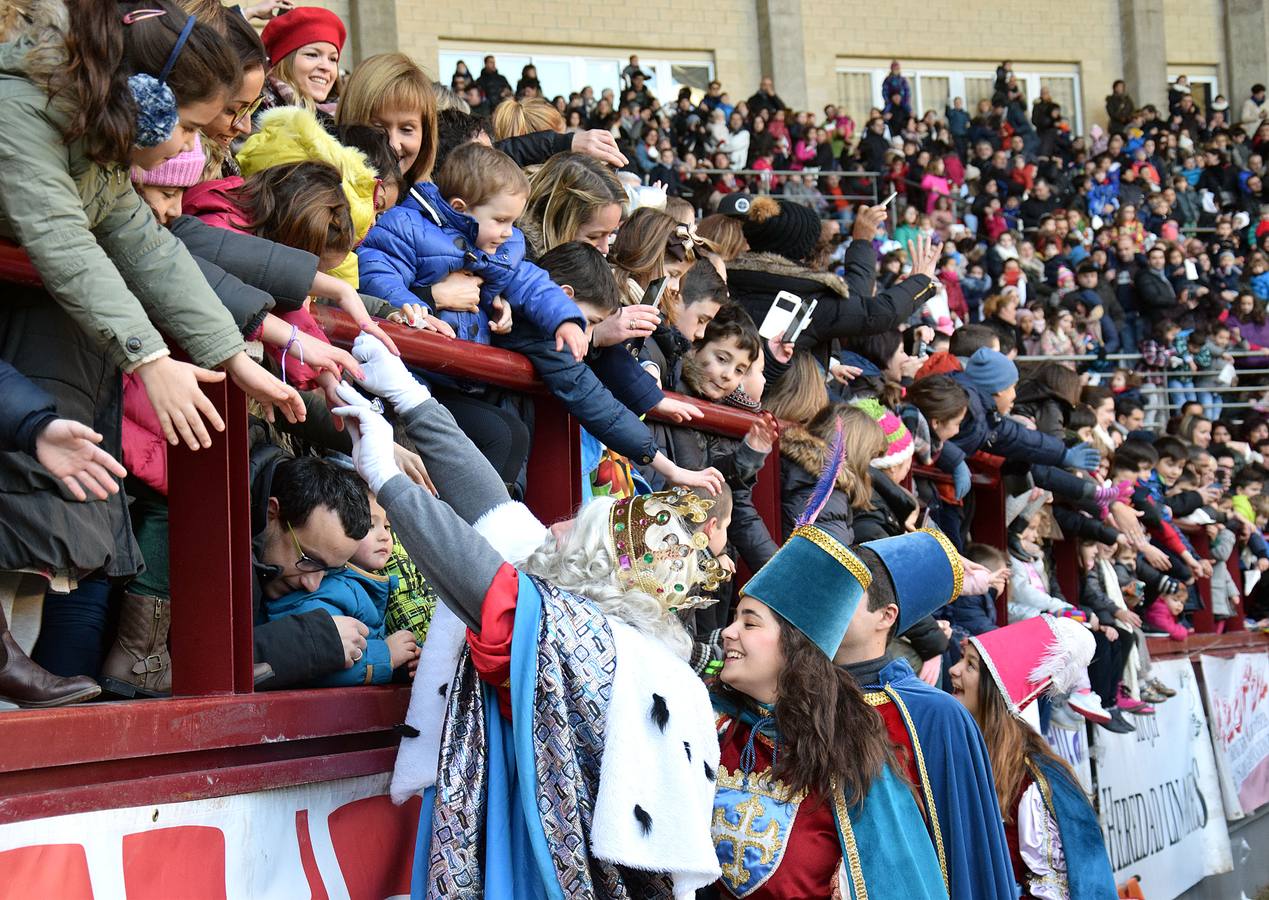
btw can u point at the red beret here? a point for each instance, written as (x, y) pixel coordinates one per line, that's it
(303, 25)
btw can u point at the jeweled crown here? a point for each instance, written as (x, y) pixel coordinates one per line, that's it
(649, 554)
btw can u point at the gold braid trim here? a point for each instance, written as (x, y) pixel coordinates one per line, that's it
(954, 558)
(925, 781)
(834, 549)
(852, 849)
(876, 698)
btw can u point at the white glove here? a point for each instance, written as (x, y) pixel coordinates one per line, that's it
(373, 445)
(385, 375)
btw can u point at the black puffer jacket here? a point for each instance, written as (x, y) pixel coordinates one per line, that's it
(754, 279)
(41, 528)
(1040, 403)
(891, 506)
(802, 459)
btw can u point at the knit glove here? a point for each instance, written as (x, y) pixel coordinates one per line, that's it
(387, 376)
(960, 479)
(373, 446)
(1081, 456)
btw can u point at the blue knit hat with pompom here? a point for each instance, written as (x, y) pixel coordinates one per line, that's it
(156, 104)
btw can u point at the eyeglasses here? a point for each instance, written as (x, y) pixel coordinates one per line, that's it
(306, 563)
(247, 111)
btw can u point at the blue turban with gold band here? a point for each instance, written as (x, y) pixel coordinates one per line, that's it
(926, 571)
(815, 583)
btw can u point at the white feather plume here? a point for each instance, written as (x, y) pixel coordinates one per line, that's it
(1066, 657)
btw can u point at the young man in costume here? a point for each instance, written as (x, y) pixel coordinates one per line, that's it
(809, 801)
(913, 575)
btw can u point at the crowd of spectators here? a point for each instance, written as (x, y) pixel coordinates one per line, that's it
(631, 260)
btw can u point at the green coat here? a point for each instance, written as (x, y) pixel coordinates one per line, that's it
(97, 246)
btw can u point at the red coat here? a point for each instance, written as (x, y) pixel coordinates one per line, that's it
(144, 448)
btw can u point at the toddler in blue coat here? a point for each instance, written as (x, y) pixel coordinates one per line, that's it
(360, 592)
(464, 221)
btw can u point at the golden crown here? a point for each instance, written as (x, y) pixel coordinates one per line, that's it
(636, 553)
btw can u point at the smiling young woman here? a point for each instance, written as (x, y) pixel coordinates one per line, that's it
(304, 46)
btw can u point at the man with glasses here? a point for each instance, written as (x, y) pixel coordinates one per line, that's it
(308, 516)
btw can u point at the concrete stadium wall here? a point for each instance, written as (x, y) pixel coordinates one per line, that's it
(803, 42)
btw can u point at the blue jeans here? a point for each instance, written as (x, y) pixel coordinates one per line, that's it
(1181, 390)
(1212, 402)
(73, 631)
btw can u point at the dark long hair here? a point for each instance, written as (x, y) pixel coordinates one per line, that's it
(302, 205)
(828, 732)
(878, 349)
(102, 52)
(1011, 742)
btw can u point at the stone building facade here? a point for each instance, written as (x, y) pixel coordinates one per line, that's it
(821, 52)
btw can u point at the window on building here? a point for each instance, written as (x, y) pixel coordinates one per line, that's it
(854, 95)
(934, 87)
(562, 73)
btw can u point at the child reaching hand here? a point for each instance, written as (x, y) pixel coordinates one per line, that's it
(360, 591)
(464, 222)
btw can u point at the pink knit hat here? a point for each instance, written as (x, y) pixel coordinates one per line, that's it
(899, 443)
(182, 170)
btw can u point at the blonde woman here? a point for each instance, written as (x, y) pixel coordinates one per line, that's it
(390, 92)
(514, 118)
(804, 450)
(572, 197)
(304, 47)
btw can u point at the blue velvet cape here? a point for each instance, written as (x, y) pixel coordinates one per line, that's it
(957, 782)
(510, 816)
(1088, 872)
(882, 841)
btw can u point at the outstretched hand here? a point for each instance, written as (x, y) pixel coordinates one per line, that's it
(374, 450)
(924, 254)
(69, 450)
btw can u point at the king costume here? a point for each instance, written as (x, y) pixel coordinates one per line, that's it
(946, 756)
(775, 845)
(562, 753)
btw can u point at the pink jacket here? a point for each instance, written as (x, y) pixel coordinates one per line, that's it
(209, 202)
(144, 449)
(1159, 617)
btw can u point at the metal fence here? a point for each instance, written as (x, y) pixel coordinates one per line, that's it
(1165, 400)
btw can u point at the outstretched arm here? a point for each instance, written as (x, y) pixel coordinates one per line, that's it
(447, 550)
(462, 475)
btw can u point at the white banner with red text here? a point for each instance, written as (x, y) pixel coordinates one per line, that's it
(1238, 700)
(1158, 794)
(336, 840)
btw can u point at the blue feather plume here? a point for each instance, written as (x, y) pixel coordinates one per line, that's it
(828, 478)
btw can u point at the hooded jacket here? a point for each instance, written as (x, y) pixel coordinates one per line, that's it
(983, 428)
(754, 279)
(292, 134)
(99, 250)
(802, 456)
(422, 239)
(360, 595)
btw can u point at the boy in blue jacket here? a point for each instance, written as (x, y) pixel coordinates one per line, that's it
(358, 591)
(464, 222)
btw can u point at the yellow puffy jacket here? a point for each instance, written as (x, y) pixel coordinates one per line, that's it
(292, 134)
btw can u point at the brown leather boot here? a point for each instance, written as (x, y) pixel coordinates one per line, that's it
(31, 685)
(138, 663)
